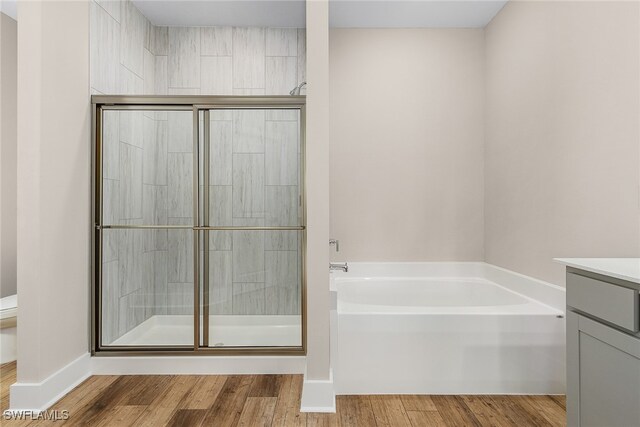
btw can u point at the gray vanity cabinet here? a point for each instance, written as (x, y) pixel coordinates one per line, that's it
(603, 351)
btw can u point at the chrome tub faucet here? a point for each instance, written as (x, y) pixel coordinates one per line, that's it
(339, 266)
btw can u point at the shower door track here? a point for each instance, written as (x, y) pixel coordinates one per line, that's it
(197, 104)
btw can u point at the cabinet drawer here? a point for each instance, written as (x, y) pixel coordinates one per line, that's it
(609, 302)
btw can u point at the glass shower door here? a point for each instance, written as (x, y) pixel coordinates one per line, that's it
(199, 224)
(253, 217)
(146, 288)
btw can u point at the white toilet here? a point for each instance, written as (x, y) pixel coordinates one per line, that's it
(8, 328)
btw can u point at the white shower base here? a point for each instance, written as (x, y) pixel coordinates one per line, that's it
(224, 331)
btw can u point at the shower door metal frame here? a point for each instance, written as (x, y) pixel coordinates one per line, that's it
(197, 104)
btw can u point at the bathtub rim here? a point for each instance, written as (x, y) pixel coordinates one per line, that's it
(542, 292)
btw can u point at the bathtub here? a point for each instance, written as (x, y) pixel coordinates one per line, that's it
(446, 328)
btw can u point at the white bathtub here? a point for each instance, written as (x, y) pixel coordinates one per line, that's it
(446, 328)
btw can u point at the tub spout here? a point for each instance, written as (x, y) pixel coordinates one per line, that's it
(339, 266)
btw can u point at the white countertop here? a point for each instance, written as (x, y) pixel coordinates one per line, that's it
(620, 268)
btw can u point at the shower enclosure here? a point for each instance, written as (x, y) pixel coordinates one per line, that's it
(199, 225)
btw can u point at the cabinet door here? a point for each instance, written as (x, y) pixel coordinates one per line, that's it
(608, 376)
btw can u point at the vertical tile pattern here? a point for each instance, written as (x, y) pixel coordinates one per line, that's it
(180, 201)
(220, 282)
(110, 301)
(281, 153)
(133, 25)
(180, 253)
(112, 7)
(216, 75)
(281, 74)
(281, 282)
(147, 165)
(184, 57)
(161, 82)
(302, 57)
(111, 145)
(155, 151)
(248, 185)
(159, 43)
(248, 58)
(180, 132)
(221, 152)
(248, 256)
(149, 76)
(282, 203)
(216, 41)
(248, 131)
(130, 182)
(105, 49)
(248, 298)
(282, 42)
(220, 214)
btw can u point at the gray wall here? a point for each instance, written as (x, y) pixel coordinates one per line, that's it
(8, 153)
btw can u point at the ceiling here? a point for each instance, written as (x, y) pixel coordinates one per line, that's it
(343, 13)
(9, 7)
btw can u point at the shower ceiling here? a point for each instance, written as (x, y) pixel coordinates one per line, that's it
(343, 13)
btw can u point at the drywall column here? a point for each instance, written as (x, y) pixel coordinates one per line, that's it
(53, 199)
(8, 124)
(318, 388)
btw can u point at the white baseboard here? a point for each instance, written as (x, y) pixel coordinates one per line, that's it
(318, 395)
(38, 397)
(197, 365)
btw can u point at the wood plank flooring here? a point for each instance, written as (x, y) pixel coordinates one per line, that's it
(274, 400)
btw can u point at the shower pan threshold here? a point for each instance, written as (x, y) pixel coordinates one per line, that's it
(224, 331)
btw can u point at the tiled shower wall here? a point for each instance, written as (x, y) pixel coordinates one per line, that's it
(148, 166)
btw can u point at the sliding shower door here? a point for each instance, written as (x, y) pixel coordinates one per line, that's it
(253, 216)
(218, 177)
(147, 222)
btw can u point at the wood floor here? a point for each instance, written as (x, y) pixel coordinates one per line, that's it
(274, 400)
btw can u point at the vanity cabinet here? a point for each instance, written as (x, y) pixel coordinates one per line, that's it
(603, 351)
